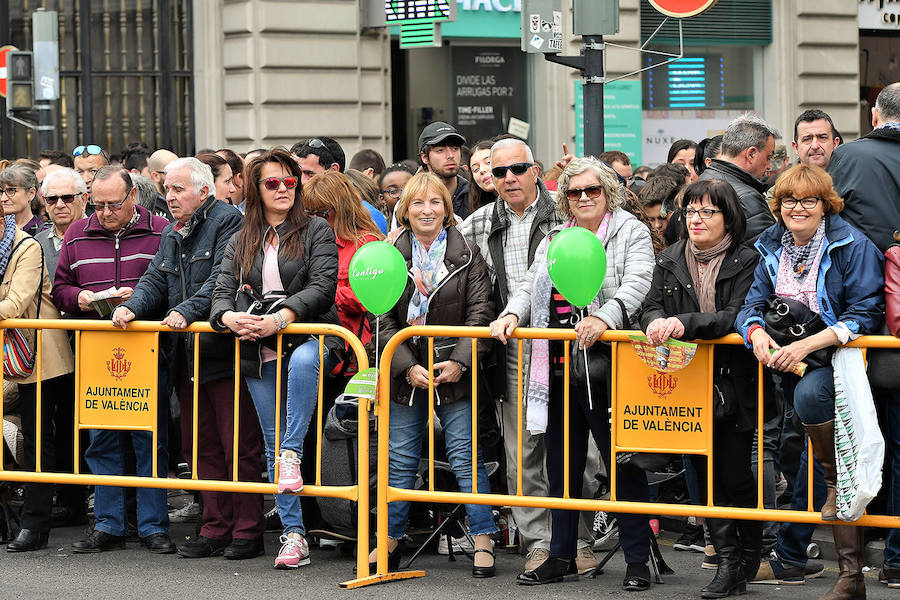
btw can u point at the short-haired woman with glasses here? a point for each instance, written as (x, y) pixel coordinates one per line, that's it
(280, 253)
(18, 187)
(811, 255)
(590, 196)
(699, 286)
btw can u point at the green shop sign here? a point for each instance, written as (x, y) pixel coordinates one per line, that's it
(492, 19)
(621, 119)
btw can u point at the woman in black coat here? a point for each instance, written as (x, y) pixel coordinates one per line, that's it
(286, 256)
(699, 285)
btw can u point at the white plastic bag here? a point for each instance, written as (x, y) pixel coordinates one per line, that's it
(858, 443)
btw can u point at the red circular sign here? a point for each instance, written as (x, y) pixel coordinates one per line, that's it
(682, 8)
(3, 52)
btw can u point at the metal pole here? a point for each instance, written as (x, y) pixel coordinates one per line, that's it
(593, 77)
(45, 128)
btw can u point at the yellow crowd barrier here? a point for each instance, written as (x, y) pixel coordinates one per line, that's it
(141, 338)
(625, 368)
(106, 356)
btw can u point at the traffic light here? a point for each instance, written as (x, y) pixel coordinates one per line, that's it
(20, 80)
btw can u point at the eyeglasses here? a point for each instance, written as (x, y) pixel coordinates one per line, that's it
(393, 192)
(66, 198)
(89, 149)
(318, 213)
(517, 169)
(594, 191)
(113, 206)
(705, 213)
(9, 192)
(273, 183)
(808, 202)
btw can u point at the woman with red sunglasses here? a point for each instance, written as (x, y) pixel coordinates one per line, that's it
(285, 261)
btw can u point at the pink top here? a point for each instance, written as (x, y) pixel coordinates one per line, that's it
(802, 290)
(271, 281)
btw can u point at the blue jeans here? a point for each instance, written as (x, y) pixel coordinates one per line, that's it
(812, 394)
(892, 439)
(299, 393)
(793, 538)
(408, 427)
(106, 456)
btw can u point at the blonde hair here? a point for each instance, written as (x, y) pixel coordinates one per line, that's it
(419, 185)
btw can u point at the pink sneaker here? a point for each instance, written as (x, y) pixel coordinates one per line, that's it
(294, 552)
(289, 478)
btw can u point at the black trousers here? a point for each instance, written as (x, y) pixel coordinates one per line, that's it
(631, 483)
(733, 481)
(57, 430)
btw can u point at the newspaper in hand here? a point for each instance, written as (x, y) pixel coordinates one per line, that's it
(105, 302)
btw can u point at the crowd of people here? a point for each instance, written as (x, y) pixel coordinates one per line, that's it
(697, 248)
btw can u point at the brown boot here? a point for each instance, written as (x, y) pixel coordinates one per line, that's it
(822, 438)
(851, 585)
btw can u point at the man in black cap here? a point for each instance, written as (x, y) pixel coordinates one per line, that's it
(439, 151)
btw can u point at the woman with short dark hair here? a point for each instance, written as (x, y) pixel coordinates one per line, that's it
(699, 286)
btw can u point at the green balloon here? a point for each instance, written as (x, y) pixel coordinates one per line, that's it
(576, 260)
(378, 276)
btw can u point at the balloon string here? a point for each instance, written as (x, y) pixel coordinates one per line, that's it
(376, 343)
(587, 374)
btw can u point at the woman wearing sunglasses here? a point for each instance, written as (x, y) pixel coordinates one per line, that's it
(814, 257)
(286, 259)
(699, 285)
(590, 196)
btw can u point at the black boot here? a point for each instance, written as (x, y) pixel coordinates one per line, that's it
(729, 579)
(751, 547)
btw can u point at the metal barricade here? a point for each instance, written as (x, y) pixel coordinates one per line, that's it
(387, 494)
(355, 493)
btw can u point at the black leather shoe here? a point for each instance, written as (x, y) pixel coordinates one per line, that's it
(28, 540)
(552, 570)
(158, 543)
(203, 547)
(241, 548)
(484, 572)
(637, 577)
(98, 541)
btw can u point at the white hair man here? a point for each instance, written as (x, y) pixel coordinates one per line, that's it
(64, 194)
(179, 283)
(507, 232)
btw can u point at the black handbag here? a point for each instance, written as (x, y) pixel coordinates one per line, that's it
(788, 320)
(247, 300)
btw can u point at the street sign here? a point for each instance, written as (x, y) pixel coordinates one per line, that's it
(4, 51)
(682, 8)
(542, 27)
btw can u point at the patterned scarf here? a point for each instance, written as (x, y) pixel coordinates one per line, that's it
(705, 280)
(538, 396)
(427, 271)
(802, 257)
(6, 242)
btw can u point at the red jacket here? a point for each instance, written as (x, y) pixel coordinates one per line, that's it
(892, 289)
(351, 312)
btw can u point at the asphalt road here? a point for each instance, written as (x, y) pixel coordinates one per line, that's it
(135, 573)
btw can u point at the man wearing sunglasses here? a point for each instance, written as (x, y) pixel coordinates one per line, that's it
(112, 249)
(317, 155)
(88, 160)
(63, 191)
(179, 284)
(440, 152)
(508, 232)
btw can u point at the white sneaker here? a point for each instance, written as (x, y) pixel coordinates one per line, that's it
(459, 544)
(294, 552)
(186, 514)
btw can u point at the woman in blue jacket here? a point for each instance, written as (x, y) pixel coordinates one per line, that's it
(813, 256)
